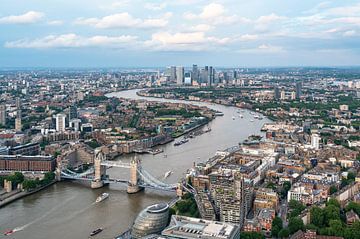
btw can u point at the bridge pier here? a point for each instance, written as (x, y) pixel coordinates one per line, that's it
(96, 184)
(133, 185)
(99, 170)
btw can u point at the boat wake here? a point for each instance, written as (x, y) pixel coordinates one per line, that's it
(20, 228)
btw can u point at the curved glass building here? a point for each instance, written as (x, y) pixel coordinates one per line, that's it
(151, 220)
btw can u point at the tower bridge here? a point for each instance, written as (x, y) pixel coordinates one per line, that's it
(138, 180)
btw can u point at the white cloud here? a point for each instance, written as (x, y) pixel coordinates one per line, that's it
(155, 6)
(125, 20)
(262, 49)
(26, 18)
(115, 5)
(184, 41)
(350, 33)
(200, 28)
(55, 23)
(215, 13)
(247, 37)
(269, 19)
(73, 41)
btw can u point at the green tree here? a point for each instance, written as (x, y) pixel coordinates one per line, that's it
(331, 212)
(336, 228)
(317, 216)
(333, 189)
(284, 233)
(251, 235)
(295, 224)
(29, 184)
(276, 226)
(333, 201)
(353, 206)
(296, 208)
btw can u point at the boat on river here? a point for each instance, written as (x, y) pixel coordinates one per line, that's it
(102, 197)
(167, 174)
(95, 232)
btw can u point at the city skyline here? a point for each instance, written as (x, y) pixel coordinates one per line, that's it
(146, 34)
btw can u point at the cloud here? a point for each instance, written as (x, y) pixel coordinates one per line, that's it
(155, 6)
(55, 23)
(267, 19)
(200, 28)
(26, 18)
(263, 49)
(73, 41)
(125, 20)
(216, 14)
(184, 41)
(115, 5)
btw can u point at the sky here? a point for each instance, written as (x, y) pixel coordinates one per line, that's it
(135, 33)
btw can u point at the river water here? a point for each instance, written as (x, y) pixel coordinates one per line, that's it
(67, 209)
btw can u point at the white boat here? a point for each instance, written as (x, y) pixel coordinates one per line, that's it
(102, 197)
(251, 120)
(167, 174)
(233, 117)
(241, 116)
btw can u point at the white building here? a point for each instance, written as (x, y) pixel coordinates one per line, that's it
(179, 75)
(315, 141)
(60, 122)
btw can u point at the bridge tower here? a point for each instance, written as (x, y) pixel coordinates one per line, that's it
(133, 184)
(100, 170)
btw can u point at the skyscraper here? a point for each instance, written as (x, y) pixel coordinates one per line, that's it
(3, 115)
(211, 76)
(298, 90)
(173, 74)
(179, 75)
(195, 73)
(18, 124)
(276, 93)
(60, 122)
(187, 78)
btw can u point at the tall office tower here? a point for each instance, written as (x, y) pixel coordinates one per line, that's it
(60, 122)
(73, 114)
(187, 78)
(204, 75)
(315, 140)
(3, 115)
(179, 75)
(195, 73)
(211, 77)
(235, 74)
(282, 95)
(18, 103)
(18, 124)
(276, 93)
(293, 95)
(298, 90)
(173, 73)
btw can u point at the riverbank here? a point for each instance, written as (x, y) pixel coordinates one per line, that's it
(145, 93)
(23, 194)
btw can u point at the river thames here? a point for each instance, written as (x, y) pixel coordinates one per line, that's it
(67, 209)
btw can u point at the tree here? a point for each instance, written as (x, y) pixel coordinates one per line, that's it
(353, 206)
(333, 189)
(336, 228)
(333, 201)
(317, 216)
(295, 224)
(29, 184)
(276, 226)
(331, 212)
(285, 188)
(284, 233)
(251, 235)
(296, 208)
